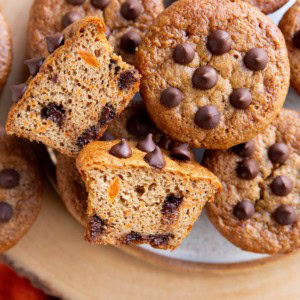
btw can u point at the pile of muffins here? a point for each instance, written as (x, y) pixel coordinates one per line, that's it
(212, 74)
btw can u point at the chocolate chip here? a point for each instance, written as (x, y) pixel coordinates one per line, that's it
(219, 42)
(279, 153)
(54, 79)
(147, 144)
(132, 237)
(96, 227)
(100, 3)
(107, 136)
(130, 41)
(54, 113)
(121, 150)
(296, 39)
(282, 185)
(171, 97)
(17, 91)
(131, 9)
(9, 178)
(155, 158)
(240, 98)
(256, 59)
(139, 124)
(158, 240)
(54, 41)
(75, 2)
(207, 117)
(34, 65)
(285, 215)
(247, 169)
(184, 53)
(170, 205)
(182, 152)
(205, 78)
(126, 80)
(165, 142)
(6, 212)
(107, 32)
(244, 210)
(245, 149)
(91, 134)
(70, 18)
(107, 114)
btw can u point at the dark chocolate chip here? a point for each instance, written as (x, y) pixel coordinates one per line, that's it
(182, 152)
(171, 205)
(240, 98)
(247, 169)
(54, 79)
(100, 3)
(70, 18)
(130, 41)
(6, 212)
(54, 41)
(282, 185)
(34, 65)
(171, 97)
(17, 91)
(207, 117)
(219, 42)
(184, 53)
(107, 32)
(245, 149)
(91, 134)
(107, 114)
(296, 39)
(165, 142)
(132, 237)
(158, 240)
(126, 80)
(138, 125)
(121, 150)
(256, 59)
(147, 144)
(54, 113)
(285, 215)
(131, 9)
(244, 210)
(96, 227)
(205, 78)
(9, 178)
(279, 153)
(75, 2)
(155, 158)
(107, 136)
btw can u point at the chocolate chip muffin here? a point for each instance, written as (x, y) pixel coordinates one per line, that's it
(259, 207)
(20, 190)
(138, 194)
(215, 73)
(290, 27)
(5, 50)
(126, 22)
(267, 6)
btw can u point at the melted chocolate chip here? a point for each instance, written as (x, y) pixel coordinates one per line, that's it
(219, 42)
(241, 98)
(158, 240)
(247, 169)
(184, 53)
(171, 205)
(279, 153)
(34, 65)
(107, 136)
(17, 91)
(54, 41)
(171, 97)
(9, 178)
(70, 18)
(296, 39)
(282, 185)
(207, 117)
(245, 149)
(75, 2)
(256, 59)
(126, 80)
(182, 152)
(205, 78)
(87, 136)
(6, 212)
(147, 144)
(155, 158)
(54, 113)
(107, 114)
(133, 237)
(285, 215)
(139, 125)
(130, 41)
(131, 9)
(121, 150)
(244, 210)
(100, 3)
(96, 227)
